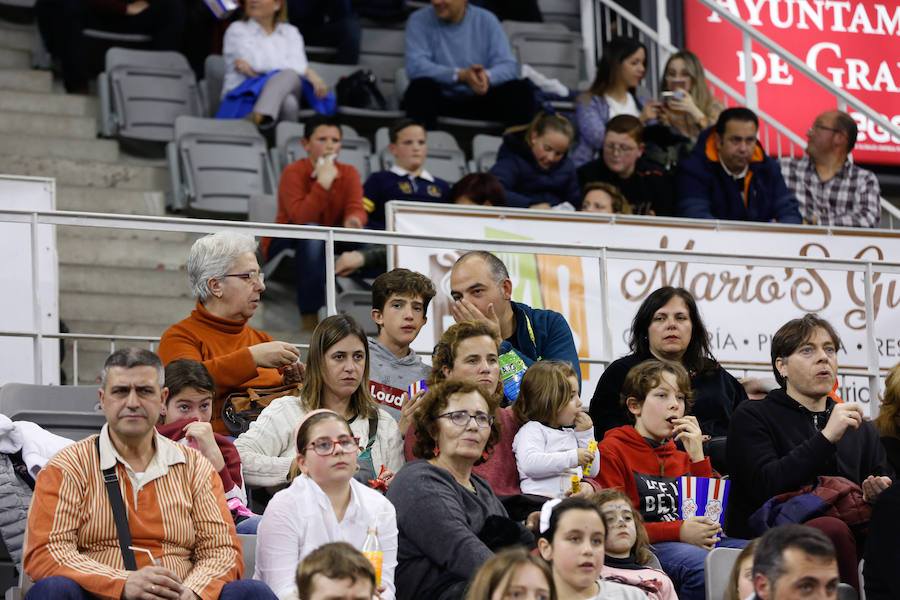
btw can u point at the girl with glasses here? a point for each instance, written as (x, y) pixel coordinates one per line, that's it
(323, 504)
(449, 519)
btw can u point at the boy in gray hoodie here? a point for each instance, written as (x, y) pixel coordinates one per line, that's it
(400, 300)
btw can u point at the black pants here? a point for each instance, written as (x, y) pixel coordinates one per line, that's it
(511, 103)
(61, 23)
(345, 34)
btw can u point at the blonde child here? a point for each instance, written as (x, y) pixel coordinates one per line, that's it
(513, 573)
(533, 166)
(628, 556)
(551, 448)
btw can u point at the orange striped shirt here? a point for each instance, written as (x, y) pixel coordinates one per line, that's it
(177, 512)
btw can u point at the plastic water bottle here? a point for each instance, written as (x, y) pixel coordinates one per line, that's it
(372, 550)
(512, 369)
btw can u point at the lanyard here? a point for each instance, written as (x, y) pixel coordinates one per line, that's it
(530, 332)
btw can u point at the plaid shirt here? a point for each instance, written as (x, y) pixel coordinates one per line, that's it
(851, 198)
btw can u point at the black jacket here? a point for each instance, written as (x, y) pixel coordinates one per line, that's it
(650, 187)
(775, 446)
(716, 395)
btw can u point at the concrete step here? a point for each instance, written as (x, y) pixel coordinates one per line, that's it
(134, 236)
(74, 105)
(124, 308)
(11, 58)
(87, 173)
(61, 147)
(30, 123)
(26, 80)
(18, 37)
(114, 200)
(123, 280)
(142, 254)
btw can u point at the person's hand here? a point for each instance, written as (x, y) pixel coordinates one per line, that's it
(136, 7)
(188, 594)
(533, 521)
(873, 485)
(387, 476)
(585, 457)
(150, 583)
(274, 355)
(379, 592)
(202, 434)
(353, 222)
(584, 491)
(349, 262)
(240, 65)
(326, 172)
(293, 373)
(463, 310)
(700, 531)
(583, 421)
(687, 431)
(407, 410)
(684, 105)
(758, 387)
(652, 110)
(541, 206)
(320, 89)
(848, 414)
(476, 78)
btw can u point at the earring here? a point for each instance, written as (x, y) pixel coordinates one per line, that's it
(436, 450)
(484, 455)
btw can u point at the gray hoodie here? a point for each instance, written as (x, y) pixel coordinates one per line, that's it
(390, 376)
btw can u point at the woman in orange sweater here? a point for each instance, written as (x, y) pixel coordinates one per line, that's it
(227, 283)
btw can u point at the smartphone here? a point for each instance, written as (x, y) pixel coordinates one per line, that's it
(677, 94)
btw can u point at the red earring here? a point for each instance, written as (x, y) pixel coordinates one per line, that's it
(436, 450)
(484, 455)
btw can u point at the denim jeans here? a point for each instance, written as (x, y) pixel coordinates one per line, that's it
(63, 588)
(685, 565)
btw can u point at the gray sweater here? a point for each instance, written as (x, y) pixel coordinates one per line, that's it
(439, 521)
(390, 376)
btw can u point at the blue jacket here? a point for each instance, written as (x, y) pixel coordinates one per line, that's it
(527, 183)
(706, 191)
(398, 184)
(541, 335)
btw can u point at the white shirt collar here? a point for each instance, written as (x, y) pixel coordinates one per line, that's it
(258, 29)
(740, 175)
(397, 170)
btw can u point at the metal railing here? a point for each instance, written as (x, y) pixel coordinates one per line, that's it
(603, 254)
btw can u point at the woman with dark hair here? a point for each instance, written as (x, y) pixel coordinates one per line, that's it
(449, 519)
(612, 93)
(337, 378)
(668, 326)
(481, 189)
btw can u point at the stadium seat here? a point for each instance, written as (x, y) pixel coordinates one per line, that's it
(510, 28)
(216, 165)
(383, 51)
(555, 54)
(567, 12)
(484, 152)
(248, 545)
(142, 92)
(211, 85)
(402, 82)
(845, 591)
(358, 304)
(445, 158)
(717, 567)
(18, 397)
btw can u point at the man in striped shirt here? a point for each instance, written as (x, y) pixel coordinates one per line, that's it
(181, 530)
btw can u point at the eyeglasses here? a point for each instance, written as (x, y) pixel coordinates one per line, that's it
(619, 148)
(461, 418)
(818, 126)
(251, 276)
(325, 447)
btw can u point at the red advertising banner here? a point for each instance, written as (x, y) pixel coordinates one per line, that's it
(853, 43)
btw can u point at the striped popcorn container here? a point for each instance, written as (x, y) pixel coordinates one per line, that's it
(703, 497)
(417, 386)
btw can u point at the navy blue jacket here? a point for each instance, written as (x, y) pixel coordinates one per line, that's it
(706, 191)
(552, 337)
(527, 183)
(395, 184)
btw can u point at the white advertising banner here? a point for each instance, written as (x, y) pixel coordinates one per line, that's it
(741, 305)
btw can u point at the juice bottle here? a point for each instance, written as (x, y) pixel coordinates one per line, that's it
(372, 550)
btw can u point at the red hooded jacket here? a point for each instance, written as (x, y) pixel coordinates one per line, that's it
(649, 476)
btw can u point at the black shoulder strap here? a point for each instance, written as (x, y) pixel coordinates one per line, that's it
(373, 430)
(118, 510)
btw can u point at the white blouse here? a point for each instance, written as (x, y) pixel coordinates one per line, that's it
(300, 518)
(282, 49)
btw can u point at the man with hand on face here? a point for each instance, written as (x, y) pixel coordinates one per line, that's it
(171, 536)
(793, 562)
(797, 432)
(459, 63)
(830, 188)
(728, 175)
(481, 290)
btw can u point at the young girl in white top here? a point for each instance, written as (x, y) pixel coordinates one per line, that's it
(552, 446)
(324, 504)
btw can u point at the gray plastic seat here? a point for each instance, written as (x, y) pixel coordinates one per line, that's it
(355, 149)
(383, 51)
(358, 304)
(510, 27)
(248, 547)
(142, 92)
(211, 85)
(18, 397)
(717, 570)
(555, 54)
(567, 12)
(218, 164)
(445, 157)
(484, 151)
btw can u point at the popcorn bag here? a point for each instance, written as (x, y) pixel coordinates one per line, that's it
(703, 496)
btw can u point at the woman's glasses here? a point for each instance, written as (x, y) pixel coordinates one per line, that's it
(325, 446)
(461, 418)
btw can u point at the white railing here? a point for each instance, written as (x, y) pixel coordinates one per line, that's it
(601, 253)
(774, 135)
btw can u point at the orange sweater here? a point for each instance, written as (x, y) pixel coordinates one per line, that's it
(223, 347)
(301, 200)
(180, 516)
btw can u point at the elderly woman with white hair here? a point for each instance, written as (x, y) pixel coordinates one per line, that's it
(227, 282)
